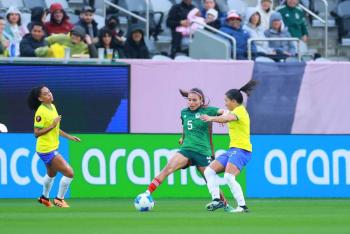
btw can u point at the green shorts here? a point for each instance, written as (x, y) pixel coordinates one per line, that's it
(196, 159)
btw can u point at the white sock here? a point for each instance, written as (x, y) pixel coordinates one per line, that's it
(64, 185)
(213, 186)
(47, 185)
(235, 188)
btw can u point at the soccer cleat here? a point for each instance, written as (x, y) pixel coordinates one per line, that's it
(215, 204)
(61, 203)
(239, 209)
(45, 201)
(228, 208)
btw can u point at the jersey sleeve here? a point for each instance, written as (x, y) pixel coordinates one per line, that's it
(238, 113)
(39, 119)
(212, 111)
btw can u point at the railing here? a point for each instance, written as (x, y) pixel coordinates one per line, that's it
(273, 39)
(220, 33)
(145, 20)
(324, 21)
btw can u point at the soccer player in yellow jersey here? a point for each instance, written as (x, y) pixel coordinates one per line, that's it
(239, 153)
(47, 131)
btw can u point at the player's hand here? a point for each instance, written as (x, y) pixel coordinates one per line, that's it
(206, 118)
(74, 138)
(56, 121)
(181, 141)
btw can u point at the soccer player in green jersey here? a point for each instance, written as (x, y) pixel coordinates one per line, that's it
(196, 142)
(47, 131)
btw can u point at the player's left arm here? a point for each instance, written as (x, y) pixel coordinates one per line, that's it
(70, 137)
(229, 117)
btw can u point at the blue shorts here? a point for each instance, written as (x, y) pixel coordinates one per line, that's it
(47, 157)
(236, 156)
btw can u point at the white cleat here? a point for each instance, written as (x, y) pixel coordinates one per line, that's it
(239, 209)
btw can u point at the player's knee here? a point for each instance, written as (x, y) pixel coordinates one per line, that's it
(69, 173)
(229, 178)
(209, 172)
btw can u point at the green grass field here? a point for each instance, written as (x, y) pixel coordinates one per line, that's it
(280, 216)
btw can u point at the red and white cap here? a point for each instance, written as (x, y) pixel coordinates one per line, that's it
(233, 15)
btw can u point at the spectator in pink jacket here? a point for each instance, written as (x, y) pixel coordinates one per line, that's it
(193, 16)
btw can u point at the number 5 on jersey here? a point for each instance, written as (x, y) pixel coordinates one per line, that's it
(189, 125)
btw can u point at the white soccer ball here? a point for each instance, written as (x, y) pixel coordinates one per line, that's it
(144, 202)
(3, 128)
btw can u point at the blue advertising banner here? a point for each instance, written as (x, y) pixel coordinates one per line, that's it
(21, 170)
(90, 98)
(299, 166)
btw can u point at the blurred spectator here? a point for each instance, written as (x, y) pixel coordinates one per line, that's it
(178, 17)
(193, 16)
(211, 18)
(135, 46)
(209, 6)
(112, 23)
(38, 14)
(33, 40)
(280, 49)
(265, 8)
(59, 21)
(88, 23)
(74, 41)
(294, 19)
(14, 30)
(107, 41)
(253, 27)
(233, 27)
(4, 43)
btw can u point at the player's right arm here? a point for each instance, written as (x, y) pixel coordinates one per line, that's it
(42, 131)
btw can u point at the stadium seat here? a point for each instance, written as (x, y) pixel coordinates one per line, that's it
(237, 5)
(223, 5)
(8, 3)
(34, 3)
(183, 58)
(161, 58)
(162, 6)
(62, 2)
(264, 59)
(292, 60)
(139, 7)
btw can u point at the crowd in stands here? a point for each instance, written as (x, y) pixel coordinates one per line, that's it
(262, 21)
(41, 38)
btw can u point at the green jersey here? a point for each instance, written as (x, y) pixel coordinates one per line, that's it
(197, 133)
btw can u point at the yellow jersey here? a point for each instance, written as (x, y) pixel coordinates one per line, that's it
(44, 117)
(239, 130)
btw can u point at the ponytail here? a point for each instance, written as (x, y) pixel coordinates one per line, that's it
(236, 94)
(248, 87)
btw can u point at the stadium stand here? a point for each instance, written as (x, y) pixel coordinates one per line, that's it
(159, 43)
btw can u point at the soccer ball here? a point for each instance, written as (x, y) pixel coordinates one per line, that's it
(3, 128)
(144, 202)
